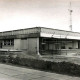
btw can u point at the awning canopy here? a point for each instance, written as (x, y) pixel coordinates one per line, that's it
(64, 36)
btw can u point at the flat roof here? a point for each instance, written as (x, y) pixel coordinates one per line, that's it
(56, 33)
(44, 32)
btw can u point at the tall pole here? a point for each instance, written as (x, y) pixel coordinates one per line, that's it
(70, 10)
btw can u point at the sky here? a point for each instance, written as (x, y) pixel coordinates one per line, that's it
(20, 14)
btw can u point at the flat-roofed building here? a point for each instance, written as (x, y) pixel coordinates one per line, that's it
(40, 40)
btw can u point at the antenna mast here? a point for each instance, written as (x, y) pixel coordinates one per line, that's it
(70, 10)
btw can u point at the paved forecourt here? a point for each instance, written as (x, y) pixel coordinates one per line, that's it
(8, 72)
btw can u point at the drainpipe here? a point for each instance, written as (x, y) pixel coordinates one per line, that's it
(38, 53)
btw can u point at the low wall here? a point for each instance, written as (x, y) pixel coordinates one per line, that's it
(69, 51)
(62, 52)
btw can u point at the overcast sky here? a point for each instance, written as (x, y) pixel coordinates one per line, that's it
(19, 14)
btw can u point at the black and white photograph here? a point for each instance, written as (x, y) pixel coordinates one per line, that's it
(39, 39)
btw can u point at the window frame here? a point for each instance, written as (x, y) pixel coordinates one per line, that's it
(8, 42)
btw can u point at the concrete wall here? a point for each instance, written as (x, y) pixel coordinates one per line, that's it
(7, 47)
(24, 44)
(17, 44)
(75, 45)
(30, 45)
(33, 45)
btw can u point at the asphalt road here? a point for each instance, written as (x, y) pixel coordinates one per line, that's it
(8, 72)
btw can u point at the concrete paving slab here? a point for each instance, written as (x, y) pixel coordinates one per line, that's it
(26, 76)
(21, 70)
(8, 72)
(43, 78)
(62, 77)
(6, 77)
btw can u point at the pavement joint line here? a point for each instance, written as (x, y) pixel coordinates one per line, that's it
(20, 74)
(14, 76)
(20, 67)
(21, 71)
(28, 79)
(17, 70)
(37, 77)
(26, 74)
(41, 77)
(5, 74)
(44, 76)
(11, 69)
(55, 78)
(31, 77)
(10, 75)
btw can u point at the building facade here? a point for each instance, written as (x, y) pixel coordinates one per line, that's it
(40, 40)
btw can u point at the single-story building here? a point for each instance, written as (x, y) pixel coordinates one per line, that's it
(40, 40)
